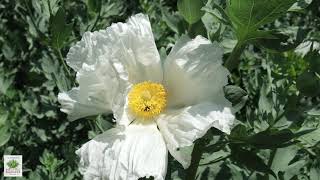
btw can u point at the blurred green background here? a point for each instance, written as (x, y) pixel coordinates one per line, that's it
(276, 87)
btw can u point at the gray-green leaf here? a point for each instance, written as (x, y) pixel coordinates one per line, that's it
(249, 15)
(191, 10)
(5, 135)
(60, 30)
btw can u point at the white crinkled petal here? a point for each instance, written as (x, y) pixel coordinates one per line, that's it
(107, 63)
(76, 107)
(136, 38)
(193, 73)
(99, 91)
(180, 128)
(130, 46)
(92, 154)
(138, 151)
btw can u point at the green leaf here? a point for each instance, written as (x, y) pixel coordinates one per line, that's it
(259, 35)
(310, 139)
(280, 42)
(31, 106)
(308, 84)
(283, 157)
(191, 10)
(214, 156)
(300, 5)
(60, 30)
(313, 57)
(5, 83)
(293, 170)
(251, 160)
(271, 138)
(215, 35)
(197, 28)
(8, 150)
(174, 21)
(94, 5)
(235, 94)
(239, 133)
(3, 117)
(62, 82)
(314, 112)
(5, 135)
(304, 132)
(315, 172)
(249, 15)
(265, 102)
(218, 12)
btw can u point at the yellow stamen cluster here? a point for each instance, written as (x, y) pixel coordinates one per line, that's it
(147, 99)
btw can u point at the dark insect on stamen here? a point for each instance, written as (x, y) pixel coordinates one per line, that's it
(146, 109)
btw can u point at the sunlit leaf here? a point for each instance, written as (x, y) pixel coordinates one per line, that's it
(249, 15)
(191, 10)
(5, 135)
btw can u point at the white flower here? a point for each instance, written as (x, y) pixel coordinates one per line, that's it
(158, 105)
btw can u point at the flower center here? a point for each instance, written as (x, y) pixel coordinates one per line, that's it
(147, 99)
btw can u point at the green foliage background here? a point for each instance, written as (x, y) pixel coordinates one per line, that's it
(275, 85)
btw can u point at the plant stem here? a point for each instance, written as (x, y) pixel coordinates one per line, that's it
(63, 62)
(50, 10)
(279, 117)
(215, 161)
(99, 126)
(97, 19)
(196, 157)
(270, 161)
(233, 60)
(272, 155)
(189, 31)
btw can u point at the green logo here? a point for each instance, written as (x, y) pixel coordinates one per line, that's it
(12, 164)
